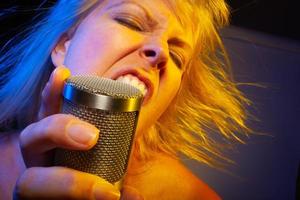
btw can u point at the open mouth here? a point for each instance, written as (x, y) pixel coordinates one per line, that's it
(134, 81)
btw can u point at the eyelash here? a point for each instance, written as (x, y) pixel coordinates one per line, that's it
(177, 59)
(130, 22)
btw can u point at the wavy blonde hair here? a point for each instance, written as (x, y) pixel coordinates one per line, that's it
(207, 114)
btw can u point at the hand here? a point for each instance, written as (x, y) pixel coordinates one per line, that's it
(53, 130)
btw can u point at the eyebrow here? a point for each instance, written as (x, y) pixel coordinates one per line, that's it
(181, 43)
(148, 15)
(152, 22)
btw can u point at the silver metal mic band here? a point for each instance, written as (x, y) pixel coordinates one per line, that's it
(99, 101)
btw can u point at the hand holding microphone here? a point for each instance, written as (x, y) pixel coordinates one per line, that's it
(111, 106)
(53, 130)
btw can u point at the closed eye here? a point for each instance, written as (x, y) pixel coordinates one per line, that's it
(130, 22)
(177, 59)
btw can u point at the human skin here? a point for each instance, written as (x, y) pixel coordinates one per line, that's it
(106, 45)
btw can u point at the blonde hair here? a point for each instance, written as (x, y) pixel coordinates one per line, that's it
(208, 109)
(208, 114)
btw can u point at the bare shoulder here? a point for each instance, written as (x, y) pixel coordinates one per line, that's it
(167, 178)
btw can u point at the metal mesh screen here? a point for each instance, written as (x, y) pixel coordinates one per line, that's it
(109, 158)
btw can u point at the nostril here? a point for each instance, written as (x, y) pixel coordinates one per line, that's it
(150, 53)
(161, 65)
(155, 56)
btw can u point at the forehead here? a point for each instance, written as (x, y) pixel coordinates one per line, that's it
(171, 8)
(176, 14)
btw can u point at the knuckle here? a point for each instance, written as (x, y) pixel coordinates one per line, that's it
(70, 181)
(54, 122)
(77, 183)
(23, 182)
(68, 175)
(25, 133)
(59, 119)
(54, 128)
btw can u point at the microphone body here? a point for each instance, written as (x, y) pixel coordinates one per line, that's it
(113, 107)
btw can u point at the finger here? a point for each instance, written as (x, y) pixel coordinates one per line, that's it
(51, 95)
(59, 130)
(63, 183)
(130, 193)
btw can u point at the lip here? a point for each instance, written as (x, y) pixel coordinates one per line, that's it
(142, 78)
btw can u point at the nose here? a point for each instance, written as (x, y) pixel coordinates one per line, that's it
(156, 55)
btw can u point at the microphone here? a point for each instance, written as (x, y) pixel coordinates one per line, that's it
(113, 107)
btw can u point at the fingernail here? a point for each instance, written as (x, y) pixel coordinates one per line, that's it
(102, 191)
(83, 133)
(60, 71)
(65, 72)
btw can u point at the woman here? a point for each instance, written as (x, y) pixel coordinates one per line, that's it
(171, 48)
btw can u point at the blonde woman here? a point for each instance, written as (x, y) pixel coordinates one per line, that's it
(171, 46)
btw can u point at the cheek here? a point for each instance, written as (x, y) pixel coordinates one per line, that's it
(85, 54)
(168, 88)
(170, 83)
(95, 50)
(150, 113)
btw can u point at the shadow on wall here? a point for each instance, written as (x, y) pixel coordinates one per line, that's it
(267, 166)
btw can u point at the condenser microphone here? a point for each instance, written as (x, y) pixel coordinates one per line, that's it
(113, 107)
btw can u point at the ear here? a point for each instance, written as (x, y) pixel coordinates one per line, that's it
(59, 52)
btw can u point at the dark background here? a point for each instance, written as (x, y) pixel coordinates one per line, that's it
(280, 18)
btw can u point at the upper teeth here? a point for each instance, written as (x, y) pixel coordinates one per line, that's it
(134, 81)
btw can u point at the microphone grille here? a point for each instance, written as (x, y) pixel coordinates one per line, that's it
(104, 86)
(111, 106)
